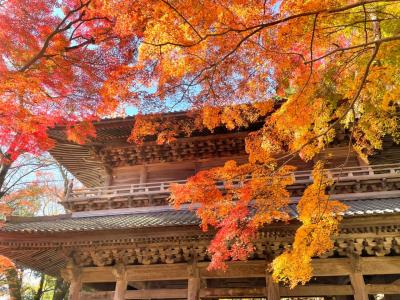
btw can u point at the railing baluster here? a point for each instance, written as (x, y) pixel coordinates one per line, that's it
(351, 173)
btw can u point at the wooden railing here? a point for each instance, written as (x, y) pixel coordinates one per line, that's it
(162, 188)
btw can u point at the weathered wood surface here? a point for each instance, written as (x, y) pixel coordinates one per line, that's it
(300, 291)
(309, 290)
(96, 295)
(317, 290)
(119, 272)
(322, 267)
(75, 286)
(193, 292)
(232, 292)
(157, 294)
(386, 289)
(272, 288)
(73, 275)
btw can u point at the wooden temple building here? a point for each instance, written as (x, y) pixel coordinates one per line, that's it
(121, 240)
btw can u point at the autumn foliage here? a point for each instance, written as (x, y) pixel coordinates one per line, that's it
(303, 69)
(236, 205)
(319, 217)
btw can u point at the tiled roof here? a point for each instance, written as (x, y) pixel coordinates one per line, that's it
(170, 217)
(373, 206)
(123, 221)
(363, 207)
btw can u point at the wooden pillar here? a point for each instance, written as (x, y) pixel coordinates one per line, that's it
(143, 174)
(358, 284)
(73, 274)
(193, 282)
(121, 283)
(109, 176)
(272, 288)
(357, 280)
(75, 289)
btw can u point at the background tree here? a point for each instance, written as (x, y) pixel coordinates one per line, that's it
(32, 186)
(309, 69)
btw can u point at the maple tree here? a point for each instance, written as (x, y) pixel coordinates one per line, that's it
(48, 75)
(308, 69)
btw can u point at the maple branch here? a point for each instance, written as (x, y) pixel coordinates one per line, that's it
(365, 24)
(311, 55)
(350, 144)
(71, 37)
(184, 19)
(380, 41)
(56, 31)
(259, 27)
(363, 21)
(278, 52)
(4, 168)
(351, 60)
(87, 42)
(355, 98)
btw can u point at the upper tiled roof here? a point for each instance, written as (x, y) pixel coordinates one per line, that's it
(169, 217)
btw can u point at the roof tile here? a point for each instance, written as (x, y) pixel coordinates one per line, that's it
(167, 218)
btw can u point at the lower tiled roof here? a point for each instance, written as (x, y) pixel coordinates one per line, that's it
(373, 206)
(362, 207)
(170, 217)
(123, 221)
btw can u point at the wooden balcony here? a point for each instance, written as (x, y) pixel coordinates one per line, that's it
(349, 180)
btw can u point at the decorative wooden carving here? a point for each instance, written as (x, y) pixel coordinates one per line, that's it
(184, 149)
(187, 251)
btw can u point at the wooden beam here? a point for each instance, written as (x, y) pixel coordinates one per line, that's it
(232, 292)
(157, 294)
(383, 289)
(96, 295)
(238, 269)
(331, 267)
(314, 290)
(249, 269)
(299, 291)
(380, 265)
(157, 272)
(121, 283)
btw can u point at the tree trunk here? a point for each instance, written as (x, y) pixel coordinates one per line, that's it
(60, 289)
(39, 292)
(4, 168)
(14, 284)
